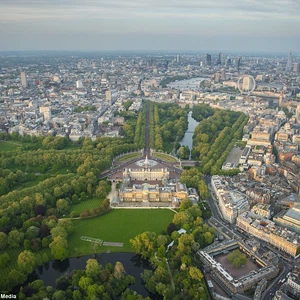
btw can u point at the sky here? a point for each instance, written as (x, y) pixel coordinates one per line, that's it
(201, 25)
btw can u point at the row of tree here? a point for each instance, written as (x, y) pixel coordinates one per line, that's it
(140, 128)
(168, 123)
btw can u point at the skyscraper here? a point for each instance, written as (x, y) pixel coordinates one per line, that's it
(23, 79)
(238, 64)
(108, 95)
(223, 74)
(219, 60)
(228, 62)
(280, 101)
(288, 67)
(178, 58)
(296, 67)
(208, 59)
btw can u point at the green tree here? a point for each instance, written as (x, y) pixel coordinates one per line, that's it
(237, 258)
(59, 248)
(26, 261)
(195, 273)
(15, 238)
(92, 268)
(3, 240)
(62, 205)
(4, 260)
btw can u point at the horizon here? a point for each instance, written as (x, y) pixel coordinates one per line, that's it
(98, 25)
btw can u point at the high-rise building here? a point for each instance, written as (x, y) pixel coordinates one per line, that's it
(23, 79)
(238, 64)
(217, 77)
(296, 67)
(228, 62)
(108, 95)
(223, 74)
(208, 59)
(178, 58)
(79, 84)
(288, 67)
(219, 60)
(280, 101)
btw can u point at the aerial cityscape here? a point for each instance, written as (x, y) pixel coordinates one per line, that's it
(149, 150)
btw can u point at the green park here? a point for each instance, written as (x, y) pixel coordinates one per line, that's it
(52, 200)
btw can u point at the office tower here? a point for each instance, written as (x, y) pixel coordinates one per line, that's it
(108, 95)
(178, 58)
(217, 77)
(280, 99)
(201, 63)
(223, 74)
(288, 67)
(79, 84)
(296, 67)
(23, 79)
(238, 64)
(228, 62)
(208, 59)
(219, 60)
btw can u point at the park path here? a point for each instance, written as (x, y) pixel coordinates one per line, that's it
(171, 276)
(113, 192)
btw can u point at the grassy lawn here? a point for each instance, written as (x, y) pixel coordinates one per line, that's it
(118, 225)
(129, 156)
(9, 145)
(164, 156)
(87, 204)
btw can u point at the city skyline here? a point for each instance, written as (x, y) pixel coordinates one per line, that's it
(150, 25)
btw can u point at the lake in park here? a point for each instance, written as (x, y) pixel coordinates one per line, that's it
(187, 140)
(133, 264)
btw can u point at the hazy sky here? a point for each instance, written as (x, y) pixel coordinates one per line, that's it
(253, 25)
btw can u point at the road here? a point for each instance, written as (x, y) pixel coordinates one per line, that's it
(169, 165)
(147, 132)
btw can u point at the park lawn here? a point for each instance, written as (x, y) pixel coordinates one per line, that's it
(118, 225)
(164, 156)
(9, 146)
(129, 156)
(87, 204)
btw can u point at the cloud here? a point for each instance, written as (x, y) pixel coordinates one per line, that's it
(26, 10)
(44, 20)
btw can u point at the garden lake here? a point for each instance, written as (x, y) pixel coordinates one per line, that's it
(133, 264)
(187, 140)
